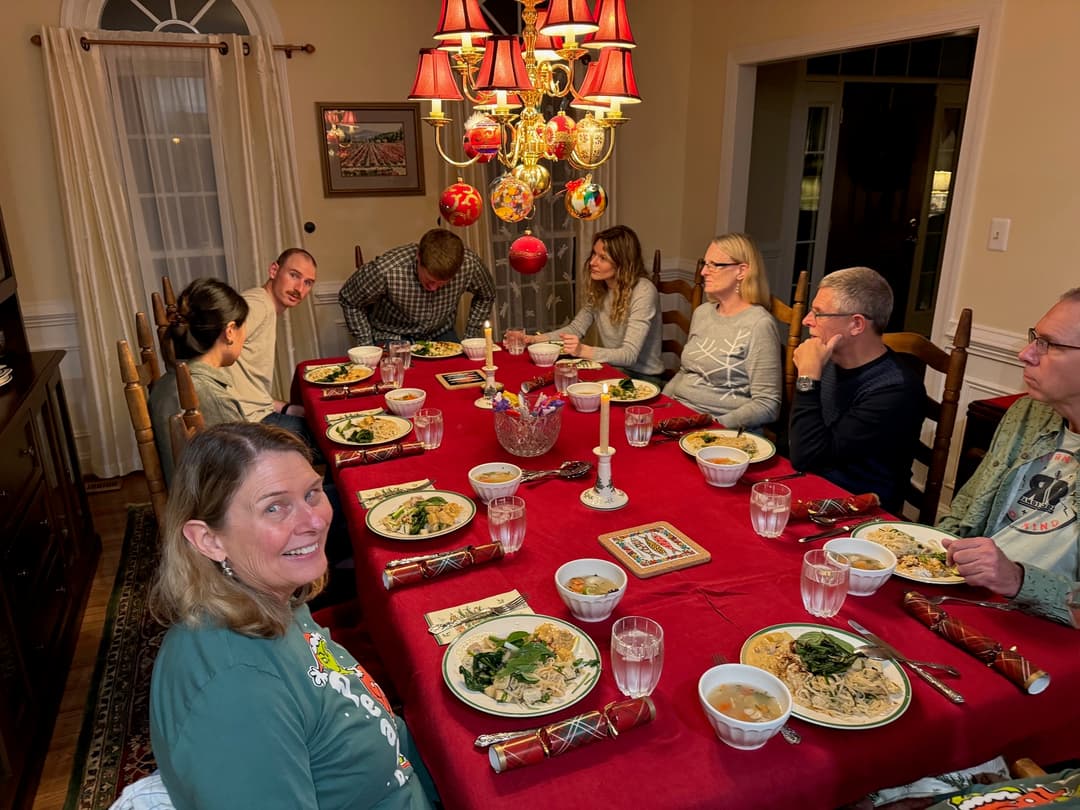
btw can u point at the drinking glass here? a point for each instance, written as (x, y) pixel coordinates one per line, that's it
(824, 582)
(514, 339)
(637, 655)
(402, 349)
(392, 370)
(770, 508)
(429, 427)
(565, 376)
(506, 521)
(639, 425)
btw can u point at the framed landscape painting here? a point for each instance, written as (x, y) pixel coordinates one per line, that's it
(370, 148)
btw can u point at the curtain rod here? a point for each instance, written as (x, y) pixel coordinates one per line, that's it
(222, 47)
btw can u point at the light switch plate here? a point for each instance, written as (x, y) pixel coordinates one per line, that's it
(999, 234)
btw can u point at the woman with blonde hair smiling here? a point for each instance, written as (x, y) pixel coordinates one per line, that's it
(252, 704)
(623, 303)
(731, 364)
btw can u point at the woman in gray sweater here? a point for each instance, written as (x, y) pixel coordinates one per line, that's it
(731, 365)
(624, 305)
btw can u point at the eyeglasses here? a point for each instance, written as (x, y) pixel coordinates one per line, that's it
(1042, 345)
(819, 315)
(707, 265)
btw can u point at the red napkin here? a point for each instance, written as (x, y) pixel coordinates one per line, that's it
(347, 391)
(350, 458)
(558, 738)
(1008, 662)
(538, 382)
(395, 575)
(851, 505)
(677, 424)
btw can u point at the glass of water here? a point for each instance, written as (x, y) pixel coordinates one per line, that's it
(506, 522)
(770, 508)
(637, 655)
(428, 423)
(639, 425)
(824, 582)
(402, 349)
(392, 370)
(565, 376)
(514, 339)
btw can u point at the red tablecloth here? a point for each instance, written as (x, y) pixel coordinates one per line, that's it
(676, 761)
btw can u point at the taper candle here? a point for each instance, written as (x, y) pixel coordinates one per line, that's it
(605, 418)
(488, 350)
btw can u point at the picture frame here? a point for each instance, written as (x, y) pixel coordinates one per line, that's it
(370, 149)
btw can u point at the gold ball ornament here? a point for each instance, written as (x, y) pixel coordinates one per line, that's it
(511, 199)
(588, 140)
(536, 177)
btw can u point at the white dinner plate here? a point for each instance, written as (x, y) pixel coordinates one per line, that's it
(436, 349)
(385, 507)
(347, 374)
(924, 534)
(392, 427)
(502, 626)
(891, 669)
(765, 448)
(645, 391)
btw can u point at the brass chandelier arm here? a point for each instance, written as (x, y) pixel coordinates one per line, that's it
(509, 160)
(438, 125)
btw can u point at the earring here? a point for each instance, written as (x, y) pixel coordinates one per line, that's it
(738, 286)
(228, 342)
(227, 569)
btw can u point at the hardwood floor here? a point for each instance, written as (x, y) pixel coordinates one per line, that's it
(109, 510)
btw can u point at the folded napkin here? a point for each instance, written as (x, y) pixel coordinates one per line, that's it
(538, 381)
(346, 391)
(584, 729)
(350, 458)
(337, 417)
(835, 507)
(478, 608)
(677, 424)
(437, 565)
(1008, 662)
(370, 497)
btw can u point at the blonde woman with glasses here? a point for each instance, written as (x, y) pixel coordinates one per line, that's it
(731, 365)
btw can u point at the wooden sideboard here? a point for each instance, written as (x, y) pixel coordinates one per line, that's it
(983, 416)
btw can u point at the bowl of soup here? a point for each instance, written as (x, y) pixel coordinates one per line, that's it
(405, 402)
(544, 354)
(722, 466)
(745, 705)
(590, 588)
(474, 348)
(494, 479)
(871, 564)
(366, 355)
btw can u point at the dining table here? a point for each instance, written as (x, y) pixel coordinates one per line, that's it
(750, 583)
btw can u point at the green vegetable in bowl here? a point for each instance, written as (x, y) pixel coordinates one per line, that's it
(823, 654)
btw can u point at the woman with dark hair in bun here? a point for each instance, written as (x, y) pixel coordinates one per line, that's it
(208, 334)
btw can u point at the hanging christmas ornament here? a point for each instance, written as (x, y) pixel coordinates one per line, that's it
(585, 199)
(528, 254)
(461, 204)
(482, 137)
(535, 176)
(588, 142)
(511, 200)
(559, 136)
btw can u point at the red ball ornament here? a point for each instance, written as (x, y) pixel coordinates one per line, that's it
(528, 254)
(559, 136)
(482, 137)
(461, 204)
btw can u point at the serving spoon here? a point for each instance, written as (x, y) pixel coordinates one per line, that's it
(568, 470)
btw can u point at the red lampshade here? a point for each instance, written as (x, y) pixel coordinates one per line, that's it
(502, 68)
(567, 18)
(614, 78)
(614, 26)
(434, 77)
(546, 47)
(460, 17)
(585, 102)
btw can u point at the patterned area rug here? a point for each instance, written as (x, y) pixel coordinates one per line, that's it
(114, 745)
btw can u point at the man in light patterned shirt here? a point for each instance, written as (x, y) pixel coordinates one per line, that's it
(412, 292)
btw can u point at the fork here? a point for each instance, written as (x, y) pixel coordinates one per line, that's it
(786, 731)
(937, 600)
(498, 610)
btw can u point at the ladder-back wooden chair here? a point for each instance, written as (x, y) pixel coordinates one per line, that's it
(148, 358)
(161, 320)
(189, 400)
(952, 365)
(138, 410)
(693, 293)
(791, 316)
(358, 257)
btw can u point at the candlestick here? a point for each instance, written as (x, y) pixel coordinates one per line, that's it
(604, 495)
(491, 388)
(488, 350)
(605, 418)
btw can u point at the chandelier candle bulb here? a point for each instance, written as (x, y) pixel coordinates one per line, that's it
(605, 418)
(487, 344)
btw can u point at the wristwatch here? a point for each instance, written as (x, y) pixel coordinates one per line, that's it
(805, 384)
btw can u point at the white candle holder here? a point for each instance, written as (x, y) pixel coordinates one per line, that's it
(491, 388)
(603, 494)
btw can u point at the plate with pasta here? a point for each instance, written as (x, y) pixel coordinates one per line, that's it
(521, 666)
(436, 349)
(336, 374)
(757, 447)
(365, 431)
(420, 515)
(628, 391)
(920, 556)
(851, 691)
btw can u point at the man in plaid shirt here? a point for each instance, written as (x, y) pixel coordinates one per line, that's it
(412, 292)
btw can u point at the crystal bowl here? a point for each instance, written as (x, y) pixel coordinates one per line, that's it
(527, 436)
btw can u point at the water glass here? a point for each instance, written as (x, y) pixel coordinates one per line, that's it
(402, 349)
(429, 427)
(506, 522)
(639, 425)
(824, 582)
(392, 370)
(514, 339)
(770, 508)
(637, 655)
(565, 376)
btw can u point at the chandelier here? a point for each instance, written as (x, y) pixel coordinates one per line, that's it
(508, 79)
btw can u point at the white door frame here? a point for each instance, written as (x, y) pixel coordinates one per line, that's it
(740, 89)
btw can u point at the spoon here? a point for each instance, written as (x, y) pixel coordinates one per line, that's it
(568, 470)
(879, 654)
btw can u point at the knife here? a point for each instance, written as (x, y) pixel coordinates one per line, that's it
(935, 682)
(847, 527)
